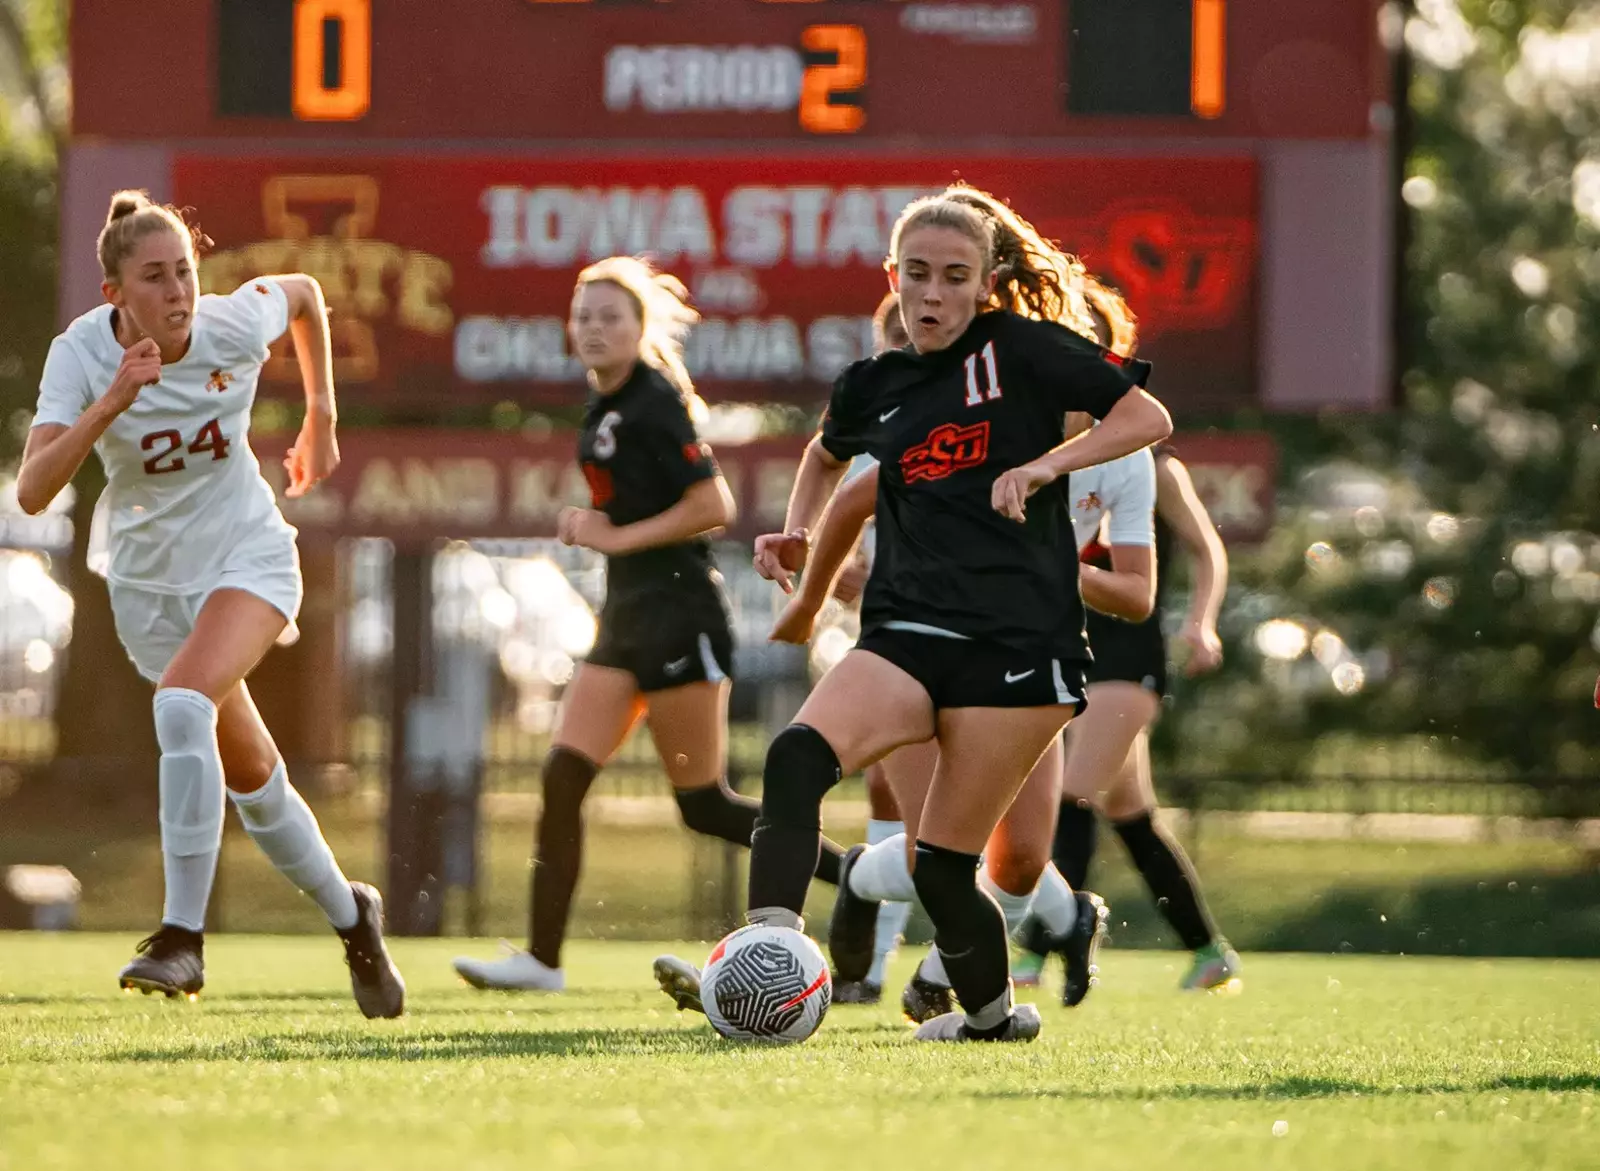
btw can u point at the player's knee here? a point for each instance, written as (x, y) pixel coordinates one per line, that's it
(801, 767)
(943, 878)
(186, 721)
(1136, 828)
(1017, 871)
(565, 779)
(1130, 806)
(189, 774)
(704, 810)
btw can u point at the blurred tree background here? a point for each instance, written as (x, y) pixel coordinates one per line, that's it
(1426, 604)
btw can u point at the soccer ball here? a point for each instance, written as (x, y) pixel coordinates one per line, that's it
(767, 983)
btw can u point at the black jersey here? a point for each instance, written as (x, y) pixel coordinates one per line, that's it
(944, 426)
(640, 454)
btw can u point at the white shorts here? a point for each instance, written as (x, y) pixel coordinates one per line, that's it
(152, 625)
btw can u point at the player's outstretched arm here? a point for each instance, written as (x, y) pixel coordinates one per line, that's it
(1180, 506)
(1137, 420)
(705, 505)
(55, 451)
(1128, 589)
(780, 554)
(315, 453)
(847, 514)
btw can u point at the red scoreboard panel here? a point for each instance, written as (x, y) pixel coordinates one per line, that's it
(564, 70)
(450, 276)
(445, 169)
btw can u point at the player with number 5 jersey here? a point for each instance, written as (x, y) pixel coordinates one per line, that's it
(664, 648)
(202, 567)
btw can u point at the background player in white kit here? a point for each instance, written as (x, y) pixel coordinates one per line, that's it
(202, 567)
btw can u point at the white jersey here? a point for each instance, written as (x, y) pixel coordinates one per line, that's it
(183, 488)
(1116, 501)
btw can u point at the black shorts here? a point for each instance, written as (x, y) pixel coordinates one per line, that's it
(1127, 652)
(664, 641)
(958, 672)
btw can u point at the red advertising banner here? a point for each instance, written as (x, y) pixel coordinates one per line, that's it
(449, 277)
(424, 485)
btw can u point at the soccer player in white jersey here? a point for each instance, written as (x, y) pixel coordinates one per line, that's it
(202, 567)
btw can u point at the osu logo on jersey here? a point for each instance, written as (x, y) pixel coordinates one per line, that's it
(219, 381)
(947, 449)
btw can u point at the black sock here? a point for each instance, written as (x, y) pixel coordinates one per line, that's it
(969, 928)
(786, 846)
(718, 812)
(558, 851)
(1171, 878)
(1076, 827)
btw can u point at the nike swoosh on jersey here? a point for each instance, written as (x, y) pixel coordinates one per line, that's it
(1010, 678)
(887, 415)
(677, 665)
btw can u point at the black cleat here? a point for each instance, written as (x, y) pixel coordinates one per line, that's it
(1080, 945)
(923, 1000)
(173, 961)
(857, 992)
(853, 927)
(375, 981)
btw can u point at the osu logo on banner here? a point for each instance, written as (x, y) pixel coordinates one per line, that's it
(947, 449)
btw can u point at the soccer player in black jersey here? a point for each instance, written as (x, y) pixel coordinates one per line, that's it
(1108, 751)
(972, 628)
(664, 649)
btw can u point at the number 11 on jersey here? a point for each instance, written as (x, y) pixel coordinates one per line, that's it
(991, 389)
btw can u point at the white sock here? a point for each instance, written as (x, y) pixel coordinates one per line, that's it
(188, 878)
(932, 968)
(993, 1014)
(190, 779)
(883, 873)
(892, 916)
(1053, 902)
(1013, 907)
(282, 824)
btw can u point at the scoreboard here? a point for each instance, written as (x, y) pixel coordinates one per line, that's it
(444, 167)
(773, 69)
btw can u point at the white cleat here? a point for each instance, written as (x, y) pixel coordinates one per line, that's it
(680, 980)
(514, 971)
(1022, 1025)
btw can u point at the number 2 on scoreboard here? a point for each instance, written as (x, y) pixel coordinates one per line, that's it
(822, 83)
(332, 59)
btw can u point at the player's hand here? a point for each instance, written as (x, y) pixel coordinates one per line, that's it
(851, 582)
(588, 529)
(796, 622)
(1011, 490)
(1205, 648)
(780, 555)
(313, 457)
(140, 367)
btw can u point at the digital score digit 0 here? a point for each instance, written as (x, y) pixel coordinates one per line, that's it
(332, 70)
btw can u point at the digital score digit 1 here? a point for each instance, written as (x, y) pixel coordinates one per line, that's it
(830, 88)
(332, 60)
(1208, 73)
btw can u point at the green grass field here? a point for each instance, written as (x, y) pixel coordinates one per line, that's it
(1365, 1062)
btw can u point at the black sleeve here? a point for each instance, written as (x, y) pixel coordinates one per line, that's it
(844, 424)
(1076, 374)
(669, 440)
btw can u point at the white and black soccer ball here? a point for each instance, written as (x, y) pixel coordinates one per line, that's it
(767, 983)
